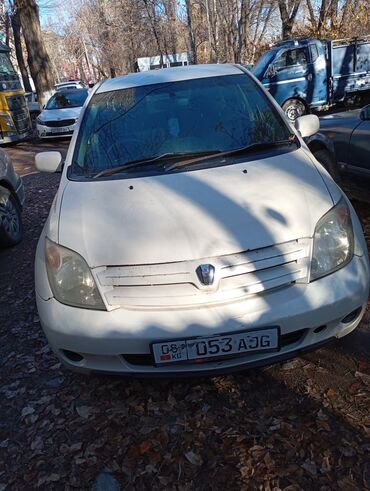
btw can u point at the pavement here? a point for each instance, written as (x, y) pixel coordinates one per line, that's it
(302, 425)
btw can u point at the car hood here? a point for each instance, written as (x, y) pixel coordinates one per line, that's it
(55, 114)
(195, 214)
(354, 114)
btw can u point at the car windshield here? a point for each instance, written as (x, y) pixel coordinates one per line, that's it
(215, 114)
(61, 100)
(5, 65)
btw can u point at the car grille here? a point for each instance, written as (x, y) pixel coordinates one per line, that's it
(22, 121)
(19, 111)
(16, 102)
(59, 123)
(236, 277)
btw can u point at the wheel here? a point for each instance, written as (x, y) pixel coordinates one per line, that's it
(327, 161)
(10, 219)
(294, 108)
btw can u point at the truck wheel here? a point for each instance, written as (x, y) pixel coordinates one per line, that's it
(327, 161)
(10, 219)
(294, 108)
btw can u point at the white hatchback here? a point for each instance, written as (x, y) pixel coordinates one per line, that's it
(194, 232)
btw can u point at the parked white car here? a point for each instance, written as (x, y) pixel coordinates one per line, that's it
(70, 84)
(61, 114)
(193, 231)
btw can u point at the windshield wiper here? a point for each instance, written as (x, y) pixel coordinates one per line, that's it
(159, 158)
(237, 151)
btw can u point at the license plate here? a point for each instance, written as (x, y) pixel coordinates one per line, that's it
(60, 130)
(222, 346)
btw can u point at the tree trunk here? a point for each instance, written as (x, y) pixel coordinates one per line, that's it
(16, 26)
(322, 17)
(193, 49)
(312, 15)
(38, 58)
(6, 27)
(288, 18)
(334, 14)
(150, 10)
(170, 11)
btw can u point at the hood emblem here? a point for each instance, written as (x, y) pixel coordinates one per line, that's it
(206, 274)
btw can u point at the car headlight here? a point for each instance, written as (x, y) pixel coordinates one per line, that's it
(333, 242)
(70, 278)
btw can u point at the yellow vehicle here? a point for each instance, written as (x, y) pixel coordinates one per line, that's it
(15, 123)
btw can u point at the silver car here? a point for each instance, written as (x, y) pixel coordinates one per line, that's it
(11, 202)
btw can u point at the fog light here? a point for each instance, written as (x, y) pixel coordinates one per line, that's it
(352, 316)
(319, 329)
(72, 355)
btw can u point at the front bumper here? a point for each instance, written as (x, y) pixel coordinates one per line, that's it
(15, 137)
(309, 315)
(48, 132)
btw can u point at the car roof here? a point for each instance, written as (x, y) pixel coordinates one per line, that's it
(71, 91)
(70, 82)
(166, 75)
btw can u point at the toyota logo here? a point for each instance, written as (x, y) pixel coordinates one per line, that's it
(206, 274)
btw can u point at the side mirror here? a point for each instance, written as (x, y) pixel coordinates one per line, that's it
(307, 125)
(49, 161)
(365, 113)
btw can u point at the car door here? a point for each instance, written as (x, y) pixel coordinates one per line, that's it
(290, 74)
(359, 156)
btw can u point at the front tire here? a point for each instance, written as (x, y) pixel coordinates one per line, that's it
(294, 108)
(11, 229)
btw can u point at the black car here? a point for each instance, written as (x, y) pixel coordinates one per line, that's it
(342, 146)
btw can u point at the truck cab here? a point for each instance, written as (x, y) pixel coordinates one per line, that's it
(15, 124)
(311, 74)
(295, 73)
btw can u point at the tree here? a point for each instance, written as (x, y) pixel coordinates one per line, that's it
(192, 47)
(38, 58)
(288, 13)
(16, 27)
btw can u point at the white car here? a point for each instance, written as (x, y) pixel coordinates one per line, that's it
(193, 232)
(61, 113)
(71, 84)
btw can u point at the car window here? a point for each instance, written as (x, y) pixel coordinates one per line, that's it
(291, 57)
(61, 100)
(314, 52)
(209, 114)
(6, 66)
(262, 64)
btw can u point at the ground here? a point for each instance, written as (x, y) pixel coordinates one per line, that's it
(303, 425)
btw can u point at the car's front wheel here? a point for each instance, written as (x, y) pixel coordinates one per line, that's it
(11, 230)
(294, 108)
